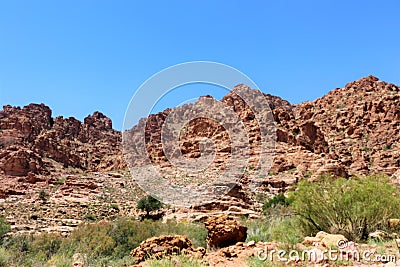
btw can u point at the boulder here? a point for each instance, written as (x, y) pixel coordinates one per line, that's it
(224, 231)
(330, 240)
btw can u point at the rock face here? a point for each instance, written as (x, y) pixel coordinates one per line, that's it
(354, 130)
(164, 246)
(224, 231)
(20, 161)
(30, 135)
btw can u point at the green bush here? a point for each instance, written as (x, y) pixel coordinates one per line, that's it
(353, 207)
(32, 250)
(43, 247)
(257, 230)
(60, 260)
(286, 230)
(127, 234)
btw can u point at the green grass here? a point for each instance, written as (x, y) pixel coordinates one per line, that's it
(180, 260)
(284, 229)
(255, 262)
(4, 258)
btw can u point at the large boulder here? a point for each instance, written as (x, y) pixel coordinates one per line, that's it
(164, 246)
(224, 231)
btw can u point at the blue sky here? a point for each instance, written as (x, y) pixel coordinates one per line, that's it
(82, 56)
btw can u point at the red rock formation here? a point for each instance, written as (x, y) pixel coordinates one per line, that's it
(350, 131)
(30, 134)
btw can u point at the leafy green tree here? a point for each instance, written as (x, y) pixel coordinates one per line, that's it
(149, 204)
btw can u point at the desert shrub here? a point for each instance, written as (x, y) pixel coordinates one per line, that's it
(124, 261)
(254, 261)
(196, 232)
(92, 239)
(43, 195)
(277, 200)
(257, 230)
(128, 234)
(353, 207)
(18, 246)
(32, 250)
(4, 228)
(60, 260)
(43, 247)
(5, 259)
(283, 228)
(286, 230)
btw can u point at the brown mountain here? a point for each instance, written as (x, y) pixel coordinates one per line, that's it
(350, 131)
(353, 130)
(33, 142)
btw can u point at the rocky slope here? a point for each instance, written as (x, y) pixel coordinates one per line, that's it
(351, 131)
(354, 130)
(57, 172)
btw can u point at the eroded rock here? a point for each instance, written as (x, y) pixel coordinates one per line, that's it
(164, 246)
(224, 231)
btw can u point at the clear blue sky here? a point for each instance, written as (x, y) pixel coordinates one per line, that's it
(82, 56)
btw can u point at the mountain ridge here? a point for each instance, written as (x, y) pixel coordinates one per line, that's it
(354, 130)
(31, 128)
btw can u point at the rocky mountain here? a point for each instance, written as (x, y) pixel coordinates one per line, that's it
(57, 172)
(32, 142)
(354, 130)
(351, 131)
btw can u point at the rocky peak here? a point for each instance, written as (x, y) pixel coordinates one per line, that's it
(350, 131)
(28, 121)
(92, 145)
(99, 121)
